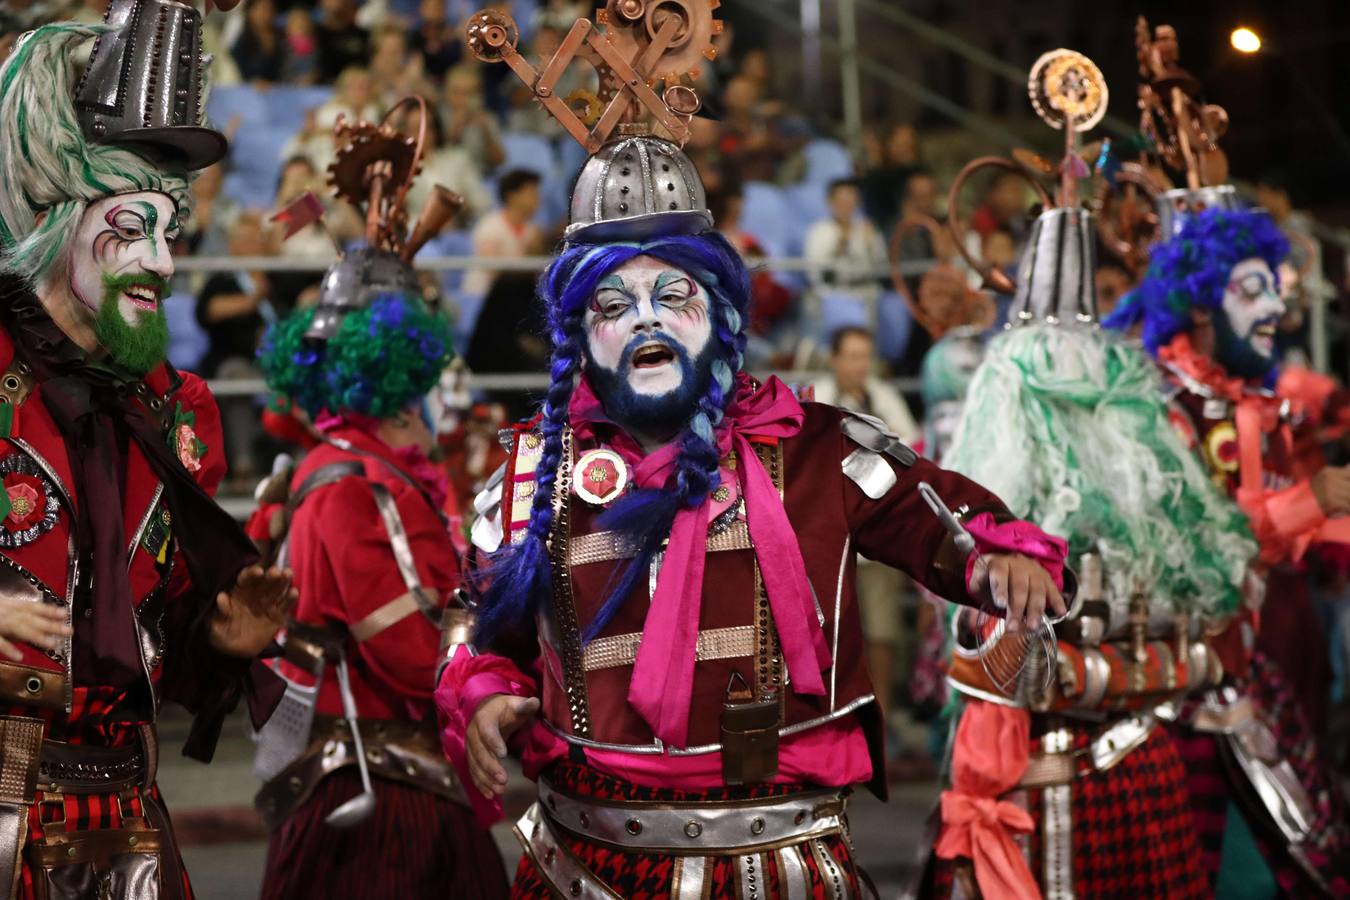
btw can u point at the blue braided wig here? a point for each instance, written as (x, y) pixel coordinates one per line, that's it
(517, 582)
(1192, 269)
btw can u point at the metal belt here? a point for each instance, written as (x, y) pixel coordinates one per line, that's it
(604, 546)
(1057, 824)
(1062, 766)
(20, 747)
(732, 827)
(715, 643)
(554, 862)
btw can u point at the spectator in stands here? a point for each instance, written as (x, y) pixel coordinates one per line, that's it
(769, 299)
(292, 288)
(300, 64)
(853, 386)
(884, 186)
(354, 98)
(342, 43)
(1113, 282)
(850, 238)
(213, 213)
(920, 202)
(229, 311)
(1004, 206)
(259, 52)
(508, 231)
(750, 141)
(467, 123)
(439, 46)
(450, 167)
(507, 337)
(394, 73)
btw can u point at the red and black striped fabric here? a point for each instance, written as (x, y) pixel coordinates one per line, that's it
(647, 876)
(1132, 830)
(1215, 783)
(416, 845)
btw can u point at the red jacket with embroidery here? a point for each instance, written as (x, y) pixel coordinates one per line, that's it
(37, 547)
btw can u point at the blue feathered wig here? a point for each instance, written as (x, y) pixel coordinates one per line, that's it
(381, 360)
(518, 581)
(1191, 270)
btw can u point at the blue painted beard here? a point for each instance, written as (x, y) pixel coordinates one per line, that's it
(657, 414)
(1236, 353)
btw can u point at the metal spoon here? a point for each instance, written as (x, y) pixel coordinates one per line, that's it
(359, 808)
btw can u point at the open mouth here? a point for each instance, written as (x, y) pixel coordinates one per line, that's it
(1263, 336)
(143, 296)
(650, 356)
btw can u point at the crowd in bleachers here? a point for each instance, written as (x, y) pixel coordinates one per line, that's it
(780, 184)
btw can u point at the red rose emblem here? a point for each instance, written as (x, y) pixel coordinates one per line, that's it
(189, 453)
(27, 501)
(602, 477)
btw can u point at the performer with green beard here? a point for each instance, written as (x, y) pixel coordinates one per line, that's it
(124, 583)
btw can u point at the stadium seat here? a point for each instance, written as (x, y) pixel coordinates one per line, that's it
(528, 151)
(839, 311)
(287, 105)
(806, 205)
(827, 160)
(449, 243)
(243, 101)
(894, 325)
(765, 216)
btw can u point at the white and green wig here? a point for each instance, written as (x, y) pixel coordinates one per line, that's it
(1069, 427)
(49, 173)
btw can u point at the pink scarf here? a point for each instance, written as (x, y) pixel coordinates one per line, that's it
(663, 676)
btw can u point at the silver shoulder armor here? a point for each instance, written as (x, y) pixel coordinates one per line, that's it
(486, 532)
(866, 466)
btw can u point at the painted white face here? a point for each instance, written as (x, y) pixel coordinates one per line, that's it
(637, 312)
(121, 249)
(1253, 305)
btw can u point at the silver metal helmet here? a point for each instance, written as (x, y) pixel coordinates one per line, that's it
(1174, 206)
(634, 188)
(354, 282)
(143, 85)
(1055, 280)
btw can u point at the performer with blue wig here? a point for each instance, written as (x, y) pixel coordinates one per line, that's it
(668, 631)
(1268, 817)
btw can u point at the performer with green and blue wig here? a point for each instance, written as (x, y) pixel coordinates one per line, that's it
(352, 757)
(126, 585)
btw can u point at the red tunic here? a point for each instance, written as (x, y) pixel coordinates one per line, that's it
(37, 543)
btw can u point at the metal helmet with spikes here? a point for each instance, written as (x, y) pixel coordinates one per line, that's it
(144, 83)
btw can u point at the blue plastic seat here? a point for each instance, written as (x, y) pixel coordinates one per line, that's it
(806, 201)
(765, 216)
(528, 151)
(827, 160)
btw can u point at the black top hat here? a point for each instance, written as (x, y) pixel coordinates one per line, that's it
(143, 86)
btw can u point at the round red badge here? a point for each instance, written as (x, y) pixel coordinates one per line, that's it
(601, 476)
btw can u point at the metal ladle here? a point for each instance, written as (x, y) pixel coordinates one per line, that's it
(359, 808)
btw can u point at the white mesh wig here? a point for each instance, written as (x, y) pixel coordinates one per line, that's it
(48, 172)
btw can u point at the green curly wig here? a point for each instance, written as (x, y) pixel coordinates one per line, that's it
(381, 360)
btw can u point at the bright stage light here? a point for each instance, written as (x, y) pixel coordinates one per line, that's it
(1245, 40)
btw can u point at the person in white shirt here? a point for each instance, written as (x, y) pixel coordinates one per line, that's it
(508, 231)
(880, 588)
(847, 237)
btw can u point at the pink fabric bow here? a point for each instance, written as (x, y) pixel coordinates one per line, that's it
(663, 676)
(991, 753)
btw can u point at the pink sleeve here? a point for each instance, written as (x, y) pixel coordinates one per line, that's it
(467, 681)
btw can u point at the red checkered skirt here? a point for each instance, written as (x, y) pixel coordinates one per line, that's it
(649, 876)
(1131, 826)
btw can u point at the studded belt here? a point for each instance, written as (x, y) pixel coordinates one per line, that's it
(703, 829)
(81, 769)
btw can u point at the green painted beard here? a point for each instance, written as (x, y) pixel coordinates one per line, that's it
(139, 346)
